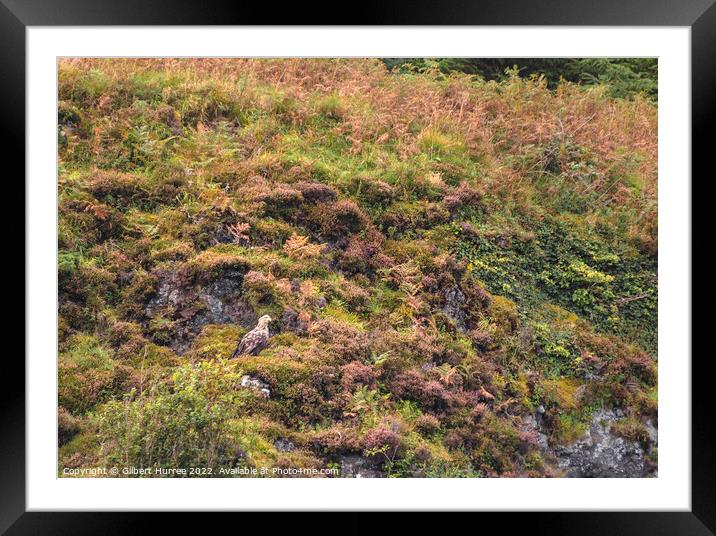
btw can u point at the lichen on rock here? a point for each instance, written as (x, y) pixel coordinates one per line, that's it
(600, 453)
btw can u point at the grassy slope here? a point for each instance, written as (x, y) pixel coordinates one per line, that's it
(361, 201)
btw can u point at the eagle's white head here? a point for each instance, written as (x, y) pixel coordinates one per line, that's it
(264, 322)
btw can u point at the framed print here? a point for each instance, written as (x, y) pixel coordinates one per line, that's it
(395, 266)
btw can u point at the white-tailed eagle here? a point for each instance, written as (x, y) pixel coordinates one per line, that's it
(255, 340)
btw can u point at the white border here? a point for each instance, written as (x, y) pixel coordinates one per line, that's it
(670, 491)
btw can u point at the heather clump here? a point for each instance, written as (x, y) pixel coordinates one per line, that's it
(316, 192)
(337, 220)
(356, 373)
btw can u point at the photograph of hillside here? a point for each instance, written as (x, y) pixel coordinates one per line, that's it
(414, 268)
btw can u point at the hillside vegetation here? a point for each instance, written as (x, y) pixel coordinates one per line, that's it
(444, 258)
(624, 77)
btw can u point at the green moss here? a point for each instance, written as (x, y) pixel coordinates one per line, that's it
(216, 342)
(282, 372)
(86, 374)
(503, 312)
(271, 231)
(83, 450)
(561, 392)
(570, 428)
(256, 438)
(170, 250)
(631, 429)
(212, 262)
(338, 311)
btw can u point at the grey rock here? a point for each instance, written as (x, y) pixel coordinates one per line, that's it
(295, 285)
(284, 445)
(222, 236)
(533, 423)
(454, 304)
(653, 433)
(355, 466)
(249, 382)
(600, 454)
(292, 321)
(591, 376)
(193, 306)
(654, 442)
(428, 365)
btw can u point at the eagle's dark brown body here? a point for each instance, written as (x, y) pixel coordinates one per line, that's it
(255, 340)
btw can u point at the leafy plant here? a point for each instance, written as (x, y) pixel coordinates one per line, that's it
(183, 424)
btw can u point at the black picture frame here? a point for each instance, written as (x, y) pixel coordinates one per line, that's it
(699, 15)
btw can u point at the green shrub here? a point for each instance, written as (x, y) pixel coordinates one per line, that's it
(178, 425)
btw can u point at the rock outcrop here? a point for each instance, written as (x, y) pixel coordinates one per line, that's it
(191, 307)
(600, 453)
(454, 307)
(249, 382)
(355, 466)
